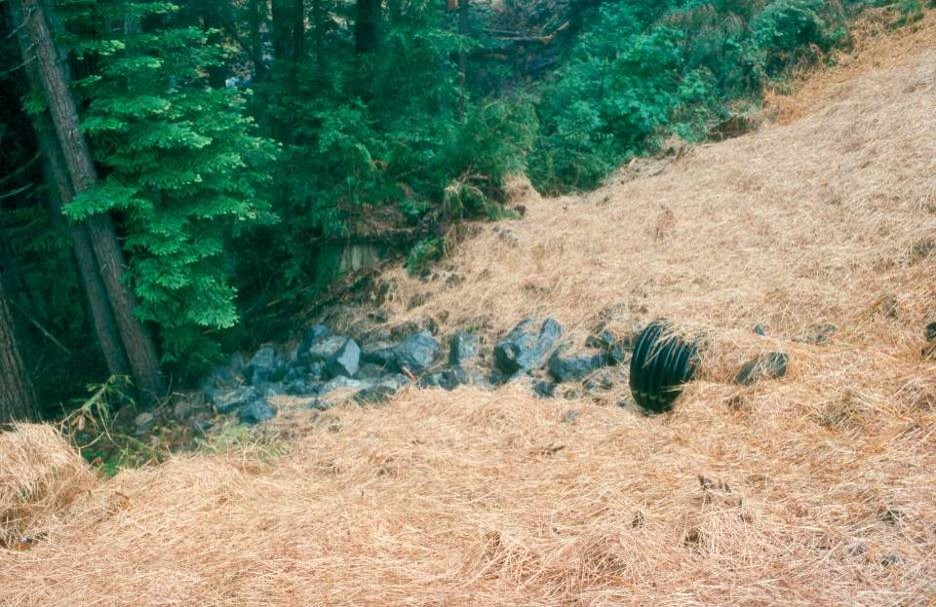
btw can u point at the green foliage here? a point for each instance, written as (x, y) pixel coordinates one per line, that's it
(641, 71)
(183, 165)
(423, 254)
(391, 129)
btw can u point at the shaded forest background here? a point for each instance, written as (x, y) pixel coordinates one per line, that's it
(244, 154)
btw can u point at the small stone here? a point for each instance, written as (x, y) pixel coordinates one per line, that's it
(769, 366)
(227, 401)
(857, 549)
(893, 516)
(601, 382)
(544, 388)
(258, 410)
(574, 368)
(144, 422)
(891, 560)
(345, 361)
(931, 331)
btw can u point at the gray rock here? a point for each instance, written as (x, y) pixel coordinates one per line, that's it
(574, 368)
(312, 336)
(228, 401)
(226, 376)
(448, 379)
(417, 352)
(144, 422)
(615, 349)
(316, 371)
(265, 366)
(370, 371)
(256, 411)
(463, 349)
(322, 350)
(379, 353)
(271, 389)
(300, 387)
(345, 383)
(381, 392)
(345, 361)
(768, 366)
(524, 348)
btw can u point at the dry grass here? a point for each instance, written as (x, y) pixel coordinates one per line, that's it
(817, 489)
(40, 475)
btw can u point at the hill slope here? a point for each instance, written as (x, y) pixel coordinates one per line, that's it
(814, 489)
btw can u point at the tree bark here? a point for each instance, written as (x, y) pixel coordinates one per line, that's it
(17, 398)
(137, 342)
(366, 26)
(463, 30)
(288, 29)
(318, 33)
(256, 15)
(100, 312)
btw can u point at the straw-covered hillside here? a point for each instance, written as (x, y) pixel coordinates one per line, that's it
(815, 489)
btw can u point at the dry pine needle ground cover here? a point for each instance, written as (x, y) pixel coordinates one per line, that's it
(816, 489)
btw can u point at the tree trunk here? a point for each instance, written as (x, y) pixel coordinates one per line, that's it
(17, 399)
(288, 29)
(366, 26)
(102, 316)
(256, 15)
(318, 32)
(463, 30)
(138, 345)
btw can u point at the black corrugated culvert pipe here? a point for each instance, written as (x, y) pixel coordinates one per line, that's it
(661, 364)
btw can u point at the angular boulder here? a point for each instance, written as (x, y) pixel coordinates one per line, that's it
(228, 401)
(323, 349)
(345, 362)
(265, 365)
(525, 348)
(379, 353)
(574, 368)
(463, 349)
(416, 353)
(256, 411)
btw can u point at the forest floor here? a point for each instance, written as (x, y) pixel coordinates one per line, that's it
(815, 489)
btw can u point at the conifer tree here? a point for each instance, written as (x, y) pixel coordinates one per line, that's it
(181, 160)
